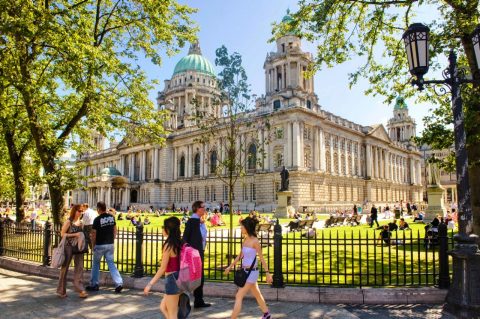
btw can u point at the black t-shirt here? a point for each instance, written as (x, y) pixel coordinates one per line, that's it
(104, 225)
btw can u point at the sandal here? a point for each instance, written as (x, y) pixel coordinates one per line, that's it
(83, 294)
(59, 295)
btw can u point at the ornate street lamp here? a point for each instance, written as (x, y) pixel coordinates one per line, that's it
(463, 297)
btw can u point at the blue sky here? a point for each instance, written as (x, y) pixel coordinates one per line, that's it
(245, 26)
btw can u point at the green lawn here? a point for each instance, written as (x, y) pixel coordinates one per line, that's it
(340, 255)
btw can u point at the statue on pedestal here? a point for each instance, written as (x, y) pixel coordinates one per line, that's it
(433, 174)
(284, 175)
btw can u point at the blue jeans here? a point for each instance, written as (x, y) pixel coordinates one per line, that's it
(98, 252)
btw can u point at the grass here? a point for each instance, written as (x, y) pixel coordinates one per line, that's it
(344, 255)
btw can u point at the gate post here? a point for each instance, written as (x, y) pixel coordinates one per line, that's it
(138, 272)
(47, 241)
(444, 276)
(277, 256)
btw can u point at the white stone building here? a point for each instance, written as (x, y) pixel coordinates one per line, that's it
(333, 162)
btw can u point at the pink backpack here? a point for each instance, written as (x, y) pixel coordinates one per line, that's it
(190, 273)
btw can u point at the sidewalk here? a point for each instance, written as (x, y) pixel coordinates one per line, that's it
(26, 296)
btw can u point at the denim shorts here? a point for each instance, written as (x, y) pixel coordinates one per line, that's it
(171, 287)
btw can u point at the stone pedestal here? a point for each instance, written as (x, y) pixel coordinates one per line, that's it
(436, 205)
(463, 298)
(284, 204)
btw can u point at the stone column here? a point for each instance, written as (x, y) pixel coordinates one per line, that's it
(297, 144)
(288, 160)
(359, 162)
(332, 164)
(412, 172)
(375, 160)
(352, 154)
(289, 82)
(155, 163)
(132, 165)
(322, 158)
(339, 157)
(315, 149)
(368, 161)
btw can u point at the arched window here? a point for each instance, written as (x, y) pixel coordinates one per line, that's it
(276, 105)
(182, 167)
(213, 162)
(196, 168)
(252, 156)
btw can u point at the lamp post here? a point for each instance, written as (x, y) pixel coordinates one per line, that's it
(463, 298)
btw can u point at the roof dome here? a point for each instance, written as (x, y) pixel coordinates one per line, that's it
(111, 171)
(194, 61)
(400, 104)
(287, 18)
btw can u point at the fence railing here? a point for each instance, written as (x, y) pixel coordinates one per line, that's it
(331, 258)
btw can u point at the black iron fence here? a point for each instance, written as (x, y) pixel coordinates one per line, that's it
(331, 257)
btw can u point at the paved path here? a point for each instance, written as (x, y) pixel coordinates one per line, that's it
(25, 296)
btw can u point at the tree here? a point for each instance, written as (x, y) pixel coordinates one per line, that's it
(74, 67)
(232, 139)
(373, 30)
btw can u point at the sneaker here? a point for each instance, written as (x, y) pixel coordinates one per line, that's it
(92, 288)
(267, 315)
(118, 289)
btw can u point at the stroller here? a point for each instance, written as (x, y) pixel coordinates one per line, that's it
(431, 236)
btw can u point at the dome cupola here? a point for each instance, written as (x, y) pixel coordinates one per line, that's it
(194, 61)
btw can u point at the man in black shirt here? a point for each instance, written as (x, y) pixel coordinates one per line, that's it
(374, 216)
(195, 235)
(104, 231)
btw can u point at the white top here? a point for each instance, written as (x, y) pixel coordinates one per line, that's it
(88, 216)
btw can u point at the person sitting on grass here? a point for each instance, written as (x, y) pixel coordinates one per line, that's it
(129, 215)
(146, 221)
(403, 224)
(385, 236)
(418, 217)
(120, 216)
(393, 226)
(214, 220)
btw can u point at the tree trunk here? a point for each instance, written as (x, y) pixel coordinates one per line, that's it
(56, 196)
(16, 160)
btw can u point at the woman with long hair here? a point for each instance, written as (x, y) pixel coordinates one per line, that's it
(73, 229)
(250, 249)
(170, 267)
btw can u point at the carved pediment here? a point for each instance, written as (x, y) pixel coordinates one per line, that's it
(378, 131)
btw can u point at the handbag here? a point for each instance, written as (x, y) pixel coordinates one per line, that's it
(58, 256)
(241, 276)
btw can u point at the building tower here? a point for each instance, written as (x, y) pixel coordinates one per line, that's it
(401, 127)
(285, 82)
(193, 78)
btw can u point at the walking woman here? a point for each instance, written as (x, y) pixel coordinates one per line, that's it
(73, 229)
(250, 249)
(170, 267)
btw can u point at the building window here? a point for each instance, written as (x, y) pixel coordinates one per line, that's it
(182, 167)
(253, 192)
(252, 156)
(207, 193)
(279, 133)
(213, 193)
(307, 133)
(309, 104)
(190, 194)
(196, 168)
(307, 158)
(276, 105)
(278, 160)
(213, 162)
(328, 161)
(244, 192)
(225, 193)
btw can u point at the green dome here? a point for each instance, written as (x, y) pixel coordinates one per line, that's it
(400, 104)
(287, 18)
(111, 171)
(194, 62)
